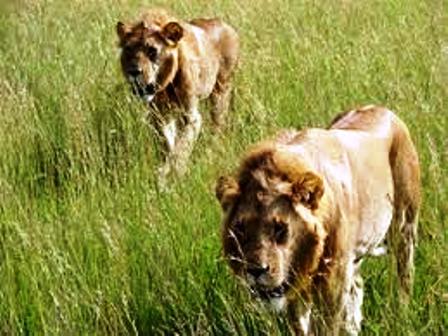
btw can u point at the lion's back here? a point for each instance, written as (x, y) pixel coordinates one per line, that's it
(220, 34)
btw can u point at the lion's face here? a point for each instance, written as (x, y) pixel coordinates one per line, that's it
(148, 57)
(260, 240)
(271, 237)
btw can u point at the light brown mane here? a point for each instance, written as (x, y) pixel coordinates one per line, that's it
(156, 17)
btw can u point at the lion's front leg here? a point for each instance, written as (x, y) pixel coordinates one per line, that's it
(352, 298)
(169, 132)
(165, 126)
(179, 135)
(329, 295)
(340, 300)
(187, 136)
(299, 316)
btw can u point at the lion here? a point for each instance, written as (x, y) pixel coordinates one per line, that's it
(172, 65)
(305, 209)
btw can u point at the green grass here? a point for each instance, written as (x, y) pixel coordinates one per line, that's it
(87, 245)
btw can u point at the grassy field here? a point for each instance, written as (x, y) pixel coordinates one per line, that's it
(87, 245)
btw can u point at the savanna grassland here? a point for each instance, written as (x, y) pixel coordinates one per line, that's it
(87, 244)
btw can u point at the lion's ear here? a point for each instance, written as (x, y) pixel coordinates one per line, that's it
(172, 32)
(227, 190)
(308, 189)
(122, 31)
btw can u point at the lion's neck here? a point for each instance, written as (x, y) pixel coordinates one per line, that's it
(169, 71)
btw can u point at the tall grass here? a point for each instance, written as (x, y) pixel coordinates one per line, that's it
(88, 246)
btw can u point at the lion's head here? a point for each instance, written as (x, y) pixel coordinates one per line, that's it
(272, 234)
(149, 53)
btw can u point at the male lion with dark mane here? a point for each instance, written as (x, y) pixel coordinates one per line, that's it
(172, 65)
(306, 208)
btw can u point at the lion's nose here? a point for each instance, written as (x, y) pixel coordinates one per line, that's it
(150, 89)
(135, 72)
(257, 270)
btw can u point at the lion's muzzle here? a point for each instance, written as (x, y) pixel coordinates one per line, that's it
(257, 271)
(275, 297)
(270, 293)
(140, 88)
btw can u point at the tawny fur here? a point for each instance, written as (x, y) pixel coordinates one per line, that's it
(307, 207)
(173, 64)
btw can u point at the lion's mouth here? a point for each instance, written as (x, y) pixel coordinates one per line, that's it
(144, 91)
(269, 293)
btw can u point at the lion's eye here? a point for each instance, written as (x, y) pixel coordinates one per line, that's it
(128, 50)
(280, 232)
(151, 52)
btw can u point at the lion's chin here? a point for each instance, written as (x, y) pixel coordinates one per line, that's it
(148, 98)
(277, 304)
(275, 297)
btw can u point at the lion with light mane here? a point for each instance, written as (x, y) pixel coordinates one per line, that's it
(172, 65)
(306, 208)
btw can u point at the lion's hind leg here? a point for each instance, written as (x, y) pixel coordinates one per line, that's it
(221, 94)
(403, 236)
(220, 100)
(403, 233)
